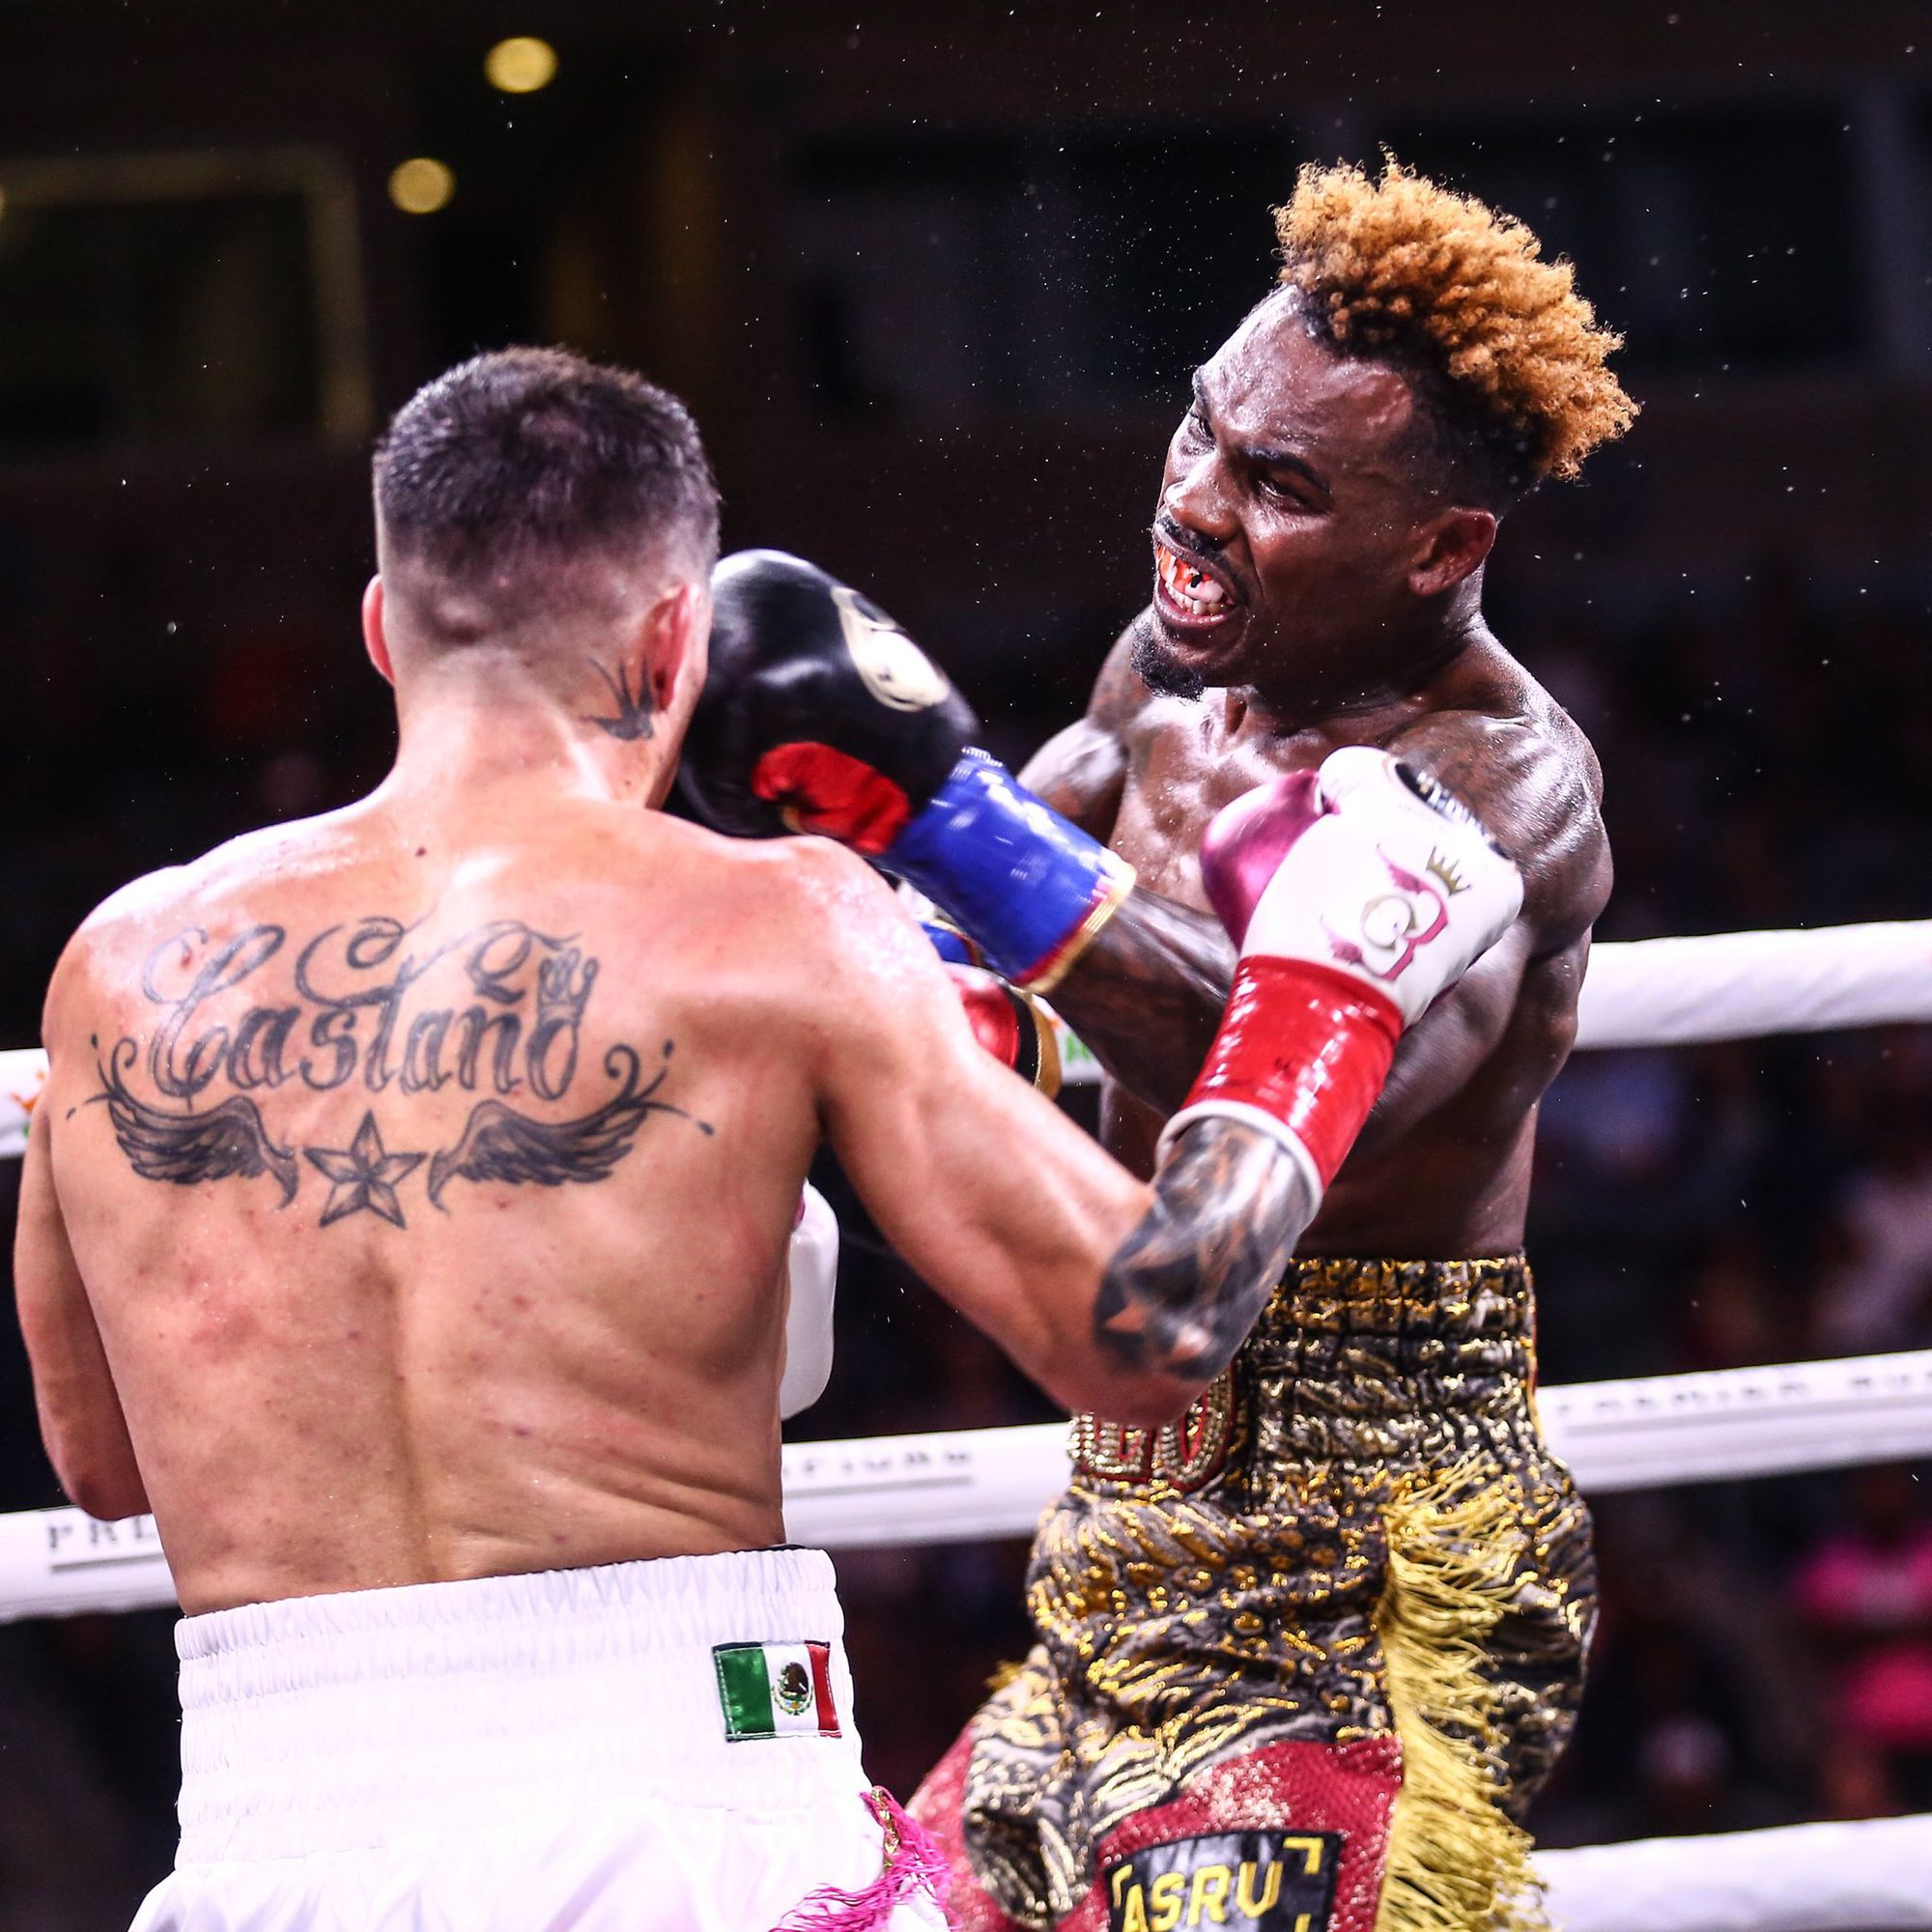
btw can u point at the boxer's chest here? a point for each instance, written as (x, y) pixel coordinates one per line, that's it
(1184, 762)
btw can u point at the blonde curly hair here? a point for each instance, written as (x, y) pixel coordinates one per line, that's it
(1505, 350)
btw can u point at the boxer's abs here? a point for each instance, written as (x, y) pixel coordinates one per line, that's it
(434, 1225)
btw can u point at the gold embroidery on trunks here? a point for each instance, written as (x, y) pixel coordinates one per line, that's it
(1280, 1569)
(1178, 1455)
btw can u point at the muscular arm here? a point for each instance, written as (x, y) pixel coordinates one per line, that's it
(81, 1423)
(1083, 771)
(1187, 1284)
(1147, 995)
(1111, 1294)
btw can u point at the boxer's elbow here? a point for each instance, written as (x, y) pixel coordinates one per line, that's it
(1099, 1380)
(107, 1489)
(1143, 1401)
(96, 1467)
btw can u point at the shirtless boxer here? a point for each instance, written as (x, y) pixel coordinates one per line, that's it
(1304, 1658)
(404, 1218)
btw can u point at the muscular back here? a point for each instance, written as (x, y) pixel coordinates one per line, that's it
(1443, 1166)
(411, 1189)
(380, 1147)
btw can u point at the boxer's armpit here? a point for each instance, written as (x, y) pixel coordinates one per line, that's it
(1185, 1287)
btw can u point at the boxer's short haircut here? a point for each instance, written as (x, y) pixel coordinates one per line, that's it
(1505, 359)
(526, 458)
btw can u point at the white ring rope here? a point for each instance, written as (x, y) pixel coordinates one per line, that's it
(1868, 1875)
(966, 1485)
(1741, 986)
(1725, 985)
(1645, 992)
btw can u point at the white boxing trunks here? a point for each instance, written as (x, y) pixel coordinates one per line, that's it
(641, 1746)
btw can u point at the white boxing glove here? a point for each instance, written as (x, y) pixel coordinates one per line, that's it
(1357, 894)
(1393, 879)
(811, 1266)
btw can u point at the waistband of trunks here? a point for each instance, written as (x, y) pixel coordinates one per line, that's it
(347, 1721)
(1481, 1298)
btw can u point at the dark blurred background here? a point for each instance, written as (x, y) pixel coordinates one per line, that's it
(933, 279)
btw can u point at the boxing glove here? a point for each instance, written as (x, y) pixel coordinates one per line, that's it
(1357, 894)
(819, 714)
(1010, 1025)
(811, 1271)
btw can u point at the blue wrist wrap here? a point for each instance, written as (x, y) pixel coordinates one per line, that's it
(1027, 888)
(950, 943)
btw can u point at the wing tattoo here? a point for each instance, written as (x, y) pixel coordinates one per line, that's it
(501, 1144)
(184, 1149)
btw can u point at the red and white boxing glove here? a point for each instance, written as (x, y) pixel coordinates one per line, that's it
(1357, 894)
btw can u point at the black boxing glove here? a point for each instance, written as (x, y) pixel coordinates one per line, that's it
(819, 714)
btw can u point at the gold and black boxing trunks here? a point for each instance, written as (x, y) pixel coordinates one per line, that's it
(1304, 1655)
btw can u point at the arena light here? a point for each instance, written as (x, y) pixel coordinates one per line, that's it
(421, 186)
(521, 65)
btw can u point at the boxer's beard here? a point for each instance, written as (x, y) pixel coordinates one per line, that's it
(1158, 669)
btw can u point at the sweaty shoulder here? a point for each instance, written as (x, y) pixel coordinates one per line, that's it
(114, 940)
(823, 919)
(1082, 770)
(1526, 769)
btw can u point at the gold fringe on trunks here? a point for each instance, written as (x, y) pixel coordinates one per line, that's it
(1456, 1558)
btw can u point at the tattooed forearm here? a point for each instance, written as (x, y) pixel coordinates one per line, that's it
(1148, 995)
(1185, 1286)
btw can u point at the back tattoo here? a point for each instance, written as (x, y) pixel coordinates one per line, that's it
(497, 1012)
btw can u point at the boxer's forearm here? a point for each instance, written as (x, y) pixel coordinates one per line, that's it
(1182, 1292)
(1147, 995)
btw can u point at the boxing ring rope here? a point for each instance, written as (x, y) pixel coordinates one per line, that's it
(956, 1485)
(1727, 985)
(1863, 1875)
(1645, 992)
(969, 1485)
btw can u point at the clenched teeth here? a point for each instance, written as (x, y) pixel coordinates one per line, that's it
(1192, 589)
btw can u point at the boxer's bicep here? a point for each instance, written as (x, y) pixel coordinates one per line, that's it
(1538, 805)
(81, 1421)
(1082, 773)
(992, 1195)
(995, 1199)
(1442, 1052)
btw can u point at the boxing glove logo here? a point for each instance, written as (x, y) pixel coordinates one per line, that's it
(892, 666)
(1394, 925)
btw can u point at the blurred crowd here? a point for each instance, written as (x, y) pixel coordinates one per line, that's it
(1766, 1647)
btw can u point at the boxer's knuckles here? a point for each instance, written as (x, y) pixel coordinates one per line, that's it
(818, 713)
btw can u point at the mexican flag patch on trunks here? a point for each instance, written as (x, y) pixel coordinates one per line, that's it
(776, 1690)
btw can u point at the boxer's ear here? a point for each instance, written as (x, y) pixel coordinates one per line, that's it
(374, 638)
(676, 652)
(1449, 545)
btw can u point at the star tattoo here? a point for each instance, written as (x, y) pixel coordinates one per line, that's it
(363, 1174)
(631, 709)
